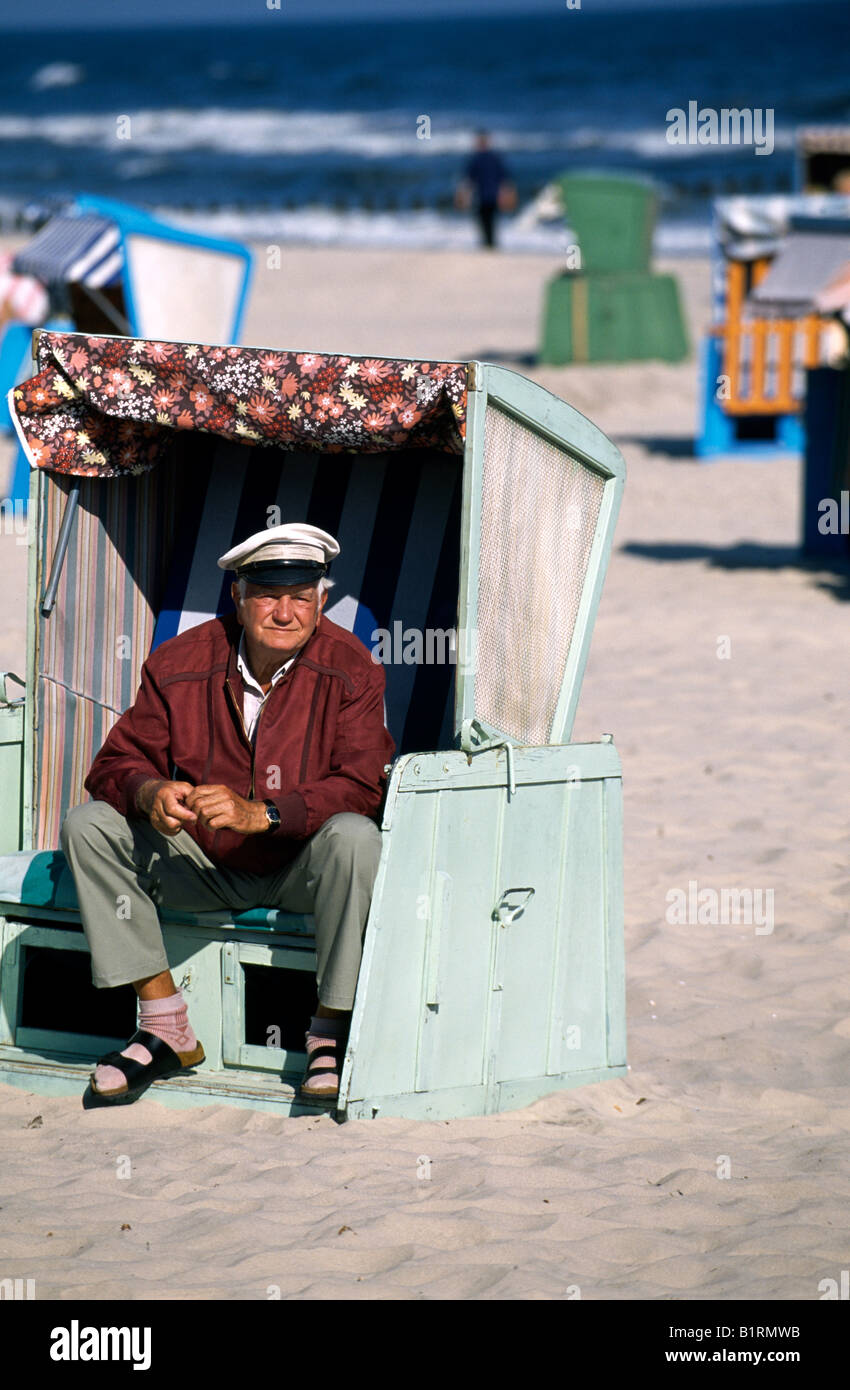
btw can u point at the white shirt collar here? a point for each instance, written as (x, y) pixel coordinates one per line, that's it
(245, 670)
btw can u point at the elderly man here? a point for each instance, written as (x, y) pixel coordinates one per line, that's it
(248, 772)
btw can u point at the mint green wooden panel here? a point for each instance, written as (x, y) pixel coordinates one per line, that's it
(615, 944)
(235, 1051)
(453, 769)
(49, 1040)
(473, 1100)
(451, 1102)
(466, 851)
(579, 998)
(481, 1007)
(232, 1004)
(284, 957)
(382, 1050)
(11, 775)
(280, 1060)
(47, 937)
(515, 1094)
(533, 854)
(10, 977)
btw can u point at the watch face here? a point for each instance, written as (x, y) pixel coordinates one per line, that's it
(273, 816)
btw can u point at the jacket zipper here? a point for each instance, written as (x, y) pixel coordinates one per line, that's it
(252, 745)
(245, 734)
(281, 682)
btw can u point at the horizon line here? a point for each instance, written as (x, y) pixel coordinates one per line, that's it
(473, 9)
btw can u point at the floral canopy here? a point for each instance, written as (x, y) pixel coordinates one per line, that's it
(105, 407)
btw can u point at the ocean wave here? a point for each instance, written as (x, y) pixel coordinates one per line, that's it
(57, 75)
(426, 229)
(368, 135)
(256, 132)
(652, 143)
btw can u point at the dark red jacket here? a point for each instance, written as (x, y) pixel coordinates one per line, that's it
(321, 744)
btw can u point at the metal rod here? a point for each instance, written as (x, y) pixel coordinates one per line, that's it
(59, 554)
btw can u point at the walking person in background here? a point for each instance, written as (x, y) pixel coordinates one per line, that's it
(486, 178)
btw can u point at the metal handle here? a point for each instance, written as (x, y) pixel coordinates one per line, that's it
(506, 912)
(4, 698)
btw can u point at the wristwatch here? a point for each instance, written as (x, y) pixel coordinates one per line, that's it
(273, 815)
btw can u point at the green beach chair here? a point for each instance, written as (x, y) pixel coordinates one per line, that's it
(613, 218)
(609, 306)
(468, 501)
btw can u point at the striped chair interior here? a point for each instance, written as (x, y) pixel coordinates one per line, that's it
(91, 647)
(128, 585)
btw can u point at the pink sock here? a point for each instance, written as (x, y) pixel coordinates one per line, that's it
(323, 1034)
(165, 1018)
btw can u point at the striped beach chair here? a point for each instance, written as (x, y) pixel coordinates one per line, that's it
(115, 268)
(397, 571)
(492, 969)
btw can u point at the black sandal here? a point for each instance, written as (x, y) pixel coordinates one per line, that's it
(164, 1062)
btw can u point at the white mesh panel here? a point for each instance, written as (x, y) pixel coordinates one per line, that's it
(539, 511)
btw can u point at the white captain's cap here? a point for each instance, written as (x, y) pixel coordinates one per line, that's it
(292, 554)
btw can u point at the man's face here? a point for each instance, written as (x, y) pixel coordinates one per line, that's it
(278, 618)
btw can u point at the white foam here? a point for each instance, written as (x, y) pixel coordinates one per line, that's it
(57, 75)
(262, 131)
(368, 135)
(427, 228)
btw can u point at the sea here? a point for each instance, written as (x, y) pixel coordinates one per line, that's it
(357, 133)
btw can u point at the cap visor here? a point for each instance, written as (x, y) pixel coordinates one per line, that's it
(299, 572)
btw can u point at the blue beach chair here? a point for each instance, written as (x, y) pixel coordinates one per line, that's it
(112, 268)
(139, 276)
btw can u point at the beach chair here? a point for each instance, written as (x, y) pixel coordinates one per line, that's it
(608, 305)
(475, 512)
(613, 217)
(117, 269)
(112, 268)
(768, 335)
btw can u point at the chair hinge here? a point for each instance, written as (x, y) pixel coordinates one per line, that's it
(474, 739)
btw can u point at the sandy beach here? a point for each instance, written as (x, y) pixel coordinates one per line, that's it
(717, 1168)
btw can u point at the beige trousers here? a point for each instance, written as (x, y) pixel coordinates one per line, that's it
(124, 870)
